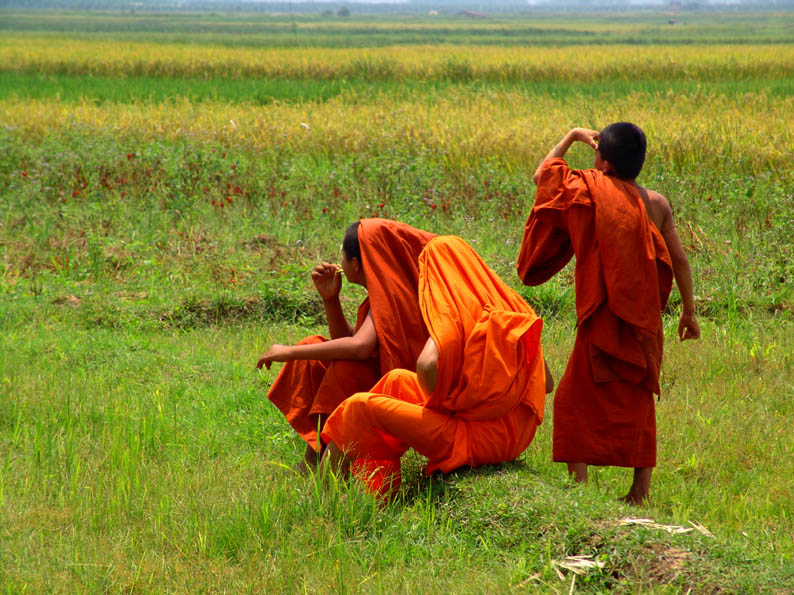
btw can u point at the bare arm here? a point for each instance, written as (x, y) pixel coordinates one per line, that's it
(688, 327)
(549, 377)
(328, 282)
(584, 135)
(360, 346)
(427, 366)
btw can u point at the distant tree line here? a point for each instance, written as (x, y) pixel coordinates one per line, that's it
(343, 9)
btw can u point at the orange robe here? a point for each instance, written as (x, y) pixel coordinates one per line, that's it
(306, 390)
(390, 253)
(490, 393)
(604, 407)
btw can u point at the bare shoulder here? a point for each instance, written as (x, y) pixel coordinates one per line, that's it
(657, 206)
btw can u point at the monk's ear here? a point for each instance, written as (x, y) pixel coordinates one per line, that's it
(607, 168)
(356, 264)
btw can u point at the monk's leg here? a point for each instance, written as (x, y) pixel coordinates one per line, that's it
(578, 471)
(334, 459)
(313, 453)
(640, 487)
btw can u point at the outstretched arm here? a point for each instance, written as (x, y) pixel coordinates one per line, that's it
(360, 346)
(688, 327)
(584, 135)
(328, 281)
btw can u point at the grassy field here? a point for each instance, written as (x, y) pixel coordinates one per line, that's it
(166, 183)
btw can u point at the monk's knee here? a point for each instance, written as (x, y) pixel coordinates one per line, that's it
(393, 380)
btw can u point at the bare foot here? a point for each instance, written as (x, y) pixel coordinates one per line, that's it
(640, 487)
(579, 471)
(335, 460)
(634, 499)
(304, 467)
(309, 462)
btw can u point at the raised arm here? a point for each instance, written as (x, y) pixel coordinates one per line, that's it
(360, 346)
(688, 327)
(584, 135)
(327, 279)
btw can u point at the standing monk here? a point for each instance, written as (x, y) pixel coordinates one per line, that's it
(627, 252)
(478, 393)
(382, 256)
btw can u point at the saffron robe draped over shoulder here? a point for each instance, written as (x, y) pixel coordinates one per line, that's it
(305, 390)
(603, 408)
(390, 253)
(489, 397)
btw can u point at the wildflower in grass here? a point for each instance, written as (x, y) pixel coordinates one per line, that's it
(75, 194)
(123, 194)
(433, 206)
(206, 189)
(485, 183)
(130, 156)
(282, 196)
(234, 166)
(325, 210)
(238, 190)
(381, 205)
(214, 203)
(24, 174)
(229, 199)
(336, 192)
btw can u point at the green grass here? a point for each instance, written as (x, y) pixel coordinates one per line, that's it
(113, 441)
(27, 86)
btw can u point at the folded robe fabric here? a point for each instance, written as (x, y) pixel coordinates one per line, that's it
(603, 407)
(390, 254)
(490, 392)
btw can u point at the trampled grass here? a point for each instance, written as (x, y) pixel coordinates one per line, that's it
(151, 246)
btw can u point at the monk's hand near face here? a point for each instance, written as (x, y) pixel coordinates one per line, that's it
(276, 353)
(586, 136)
(688, 327)
(583, 135)
(327, 280)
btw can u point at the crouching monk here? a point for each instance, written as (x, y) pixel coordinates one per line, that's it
(478, 394)
(382, 256)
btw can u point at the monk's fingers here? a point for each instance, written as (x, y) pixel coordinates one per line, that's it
(326, 269)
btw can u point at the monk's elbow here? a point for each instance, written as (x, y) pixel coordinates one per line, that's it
(362, 351)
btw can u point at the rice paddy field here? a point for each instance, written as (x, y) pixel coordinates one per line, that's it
(167, 181)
